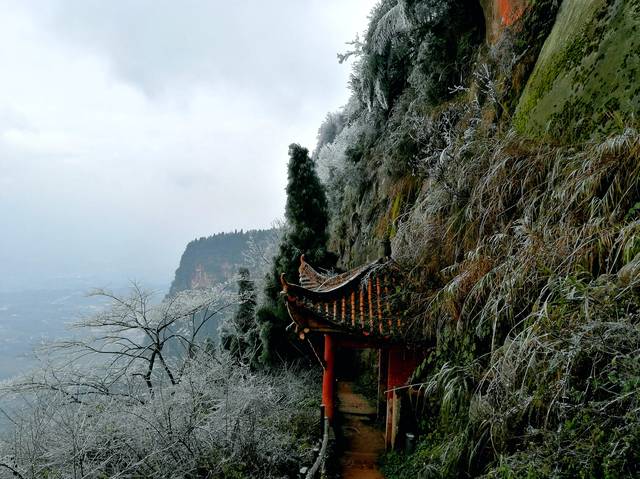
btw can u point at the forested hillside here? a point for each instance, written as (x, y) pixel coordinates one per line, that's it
(215, 259)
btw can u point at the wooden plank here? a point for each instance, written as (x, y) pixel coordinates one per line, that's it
(362, 308)
(378, 301)
(370, 298)
(353, 309)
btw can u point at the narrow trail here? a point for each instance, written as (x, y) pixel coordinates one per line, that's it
(364, 443)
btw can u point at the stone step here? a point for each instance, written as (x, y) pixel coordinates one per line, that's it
(358, 410)
(364, 442)
(360, 457)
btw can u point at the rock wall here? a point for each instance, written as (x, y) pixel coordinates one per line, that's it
(585, 83)
(216, 259)
(500, 14)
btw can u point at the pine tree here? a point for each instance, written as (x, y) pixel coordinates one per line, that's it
(244, 319)
(241, 337)
(307, 220)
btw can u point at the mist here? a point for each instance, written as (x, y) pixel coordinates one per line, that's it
(129, 128)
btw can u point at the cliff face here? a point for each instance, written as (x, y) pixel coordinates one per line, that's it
(407, 64)
(500, 14)
(510, 193)
(585, 83)
(388, 149)
(216, 259)
(567, 78)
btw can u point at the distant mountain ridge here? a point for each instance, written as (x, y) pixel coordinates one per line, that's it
(214, 259)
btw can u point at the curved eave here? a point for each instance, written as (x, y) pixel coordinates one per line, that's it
(328, 284)
(296, 291)
(309, 320)
(321, 293)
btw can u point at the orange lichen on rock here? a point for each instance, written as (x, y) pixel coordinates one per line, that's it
(500, 14)
(511, 10)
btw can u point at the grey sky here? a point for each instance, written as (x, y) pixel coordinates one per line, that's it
(129, 127)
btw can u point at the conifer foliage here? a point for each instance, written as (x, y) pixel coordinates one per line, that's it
(240, 336)
(307, 216)
(307, 221)
(244, 317)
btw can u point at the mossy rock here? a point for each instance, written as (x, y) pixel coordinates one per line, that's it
(586, 83)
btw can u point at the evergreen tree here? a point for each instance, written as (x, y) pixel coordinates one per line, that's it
(241, 338)
(244, 318)
(307, 219)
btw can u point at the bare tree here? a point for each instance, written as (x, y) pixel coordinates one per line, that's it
(258, 255)
(147, 396)
(221, 418)
(134, 341)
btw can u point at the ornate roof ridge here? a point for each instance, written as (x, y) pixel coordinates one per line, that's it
(317, 282)
(359, 302)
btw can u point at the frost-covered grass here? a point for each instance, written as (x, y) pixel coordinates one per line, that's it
(526, 277)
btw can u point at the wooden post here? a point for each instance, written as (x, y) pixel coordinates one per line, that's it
(379, 304)
(385, 280)
(395, 419)
(389, 397)
(328, 377)
(389, 423)
(344, 309)
(362, 308)
(383, 363)
(353, 309)
(370, 298)
(400, 366)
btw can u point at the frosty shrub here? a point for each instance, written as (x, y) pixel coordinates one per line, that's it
(93, 409)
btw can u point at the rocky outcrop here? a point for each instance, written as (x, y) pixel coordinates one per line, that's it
(216, 259)
(500, 14)
(585, 83)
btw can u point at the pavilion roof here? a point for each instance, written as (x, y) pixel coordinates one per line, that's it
(360, 302)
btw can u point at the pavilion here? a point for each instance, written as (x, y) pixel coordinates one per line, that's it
(359, 309)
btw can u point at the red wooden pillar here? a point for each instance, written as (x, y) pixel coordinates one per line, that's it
(401, 364)
(328, 377)
(383, 364)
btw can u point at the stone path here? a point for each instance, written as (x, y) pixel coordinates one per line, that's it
(364, 443)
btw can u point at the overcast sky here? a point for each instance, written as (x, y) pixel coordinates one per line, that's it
(129, 127)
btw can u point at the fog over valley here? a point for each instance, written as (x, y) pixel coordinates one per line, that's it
(128, 129)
